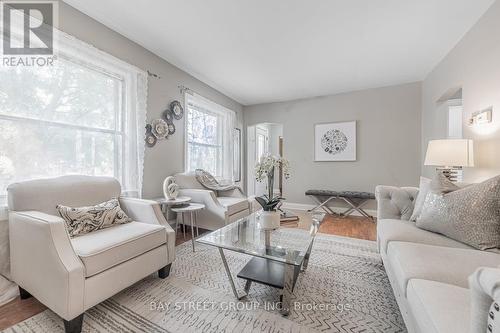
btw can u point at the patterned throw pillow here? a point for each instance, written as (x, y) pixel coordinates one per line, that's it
(207, 180)
(82, 220)
(470, 215)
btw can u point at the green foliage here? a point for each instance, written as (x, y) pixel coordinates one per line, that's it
(269, 204)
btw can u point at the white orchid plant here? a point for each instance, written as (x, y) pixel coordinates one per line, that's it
(265, 170)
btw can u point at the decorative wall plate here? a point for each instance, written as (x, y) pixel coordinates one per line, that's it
(176, 109)
(150, 139)
(160, 128)
(167, 116)
(171, 129)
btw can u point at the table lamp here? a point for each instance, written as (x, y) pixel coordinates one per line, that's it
(450, 156)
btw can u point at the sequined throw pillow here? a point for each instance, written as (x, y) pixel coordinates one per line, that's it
(470, 215)
(82, 220)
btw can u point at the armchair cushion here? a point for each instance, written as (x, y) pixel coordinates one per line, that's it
(105, 248)
(44, 195)
(233, 205)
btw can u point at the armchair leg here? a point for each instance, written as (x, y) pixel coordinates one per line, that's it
(164, 271)
(24, 294)
(74, 325)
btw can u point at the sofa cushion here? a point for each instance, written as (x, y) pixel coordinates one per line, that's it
(439, 307)
(406, 231)
(233, 205)
(105, 248)
(436, 263)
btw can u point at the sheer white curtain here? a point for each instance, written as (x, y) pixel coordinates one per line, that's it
(209, 137)
(84, 115)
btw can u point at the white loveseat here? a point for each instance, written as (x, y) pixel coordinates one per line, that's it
(430, 273)
(221, 208)
(71, 275)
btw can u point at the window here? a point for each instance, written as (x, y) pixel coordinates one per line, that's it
(455, 122)
(79, 116)
(209, 137)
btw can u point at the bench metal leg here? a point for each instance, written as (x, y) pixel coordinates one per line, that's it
(322, 205)
(356, 207)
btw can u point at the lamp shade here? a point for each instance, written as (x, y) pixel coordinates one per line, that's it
(450, 153)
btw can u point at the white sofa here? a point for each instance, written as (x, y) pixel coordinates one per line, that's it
(429, 272)
(71, 275)
(221, 208)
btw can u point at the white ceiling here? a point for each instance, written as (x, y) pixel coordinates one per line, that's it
(258, 51)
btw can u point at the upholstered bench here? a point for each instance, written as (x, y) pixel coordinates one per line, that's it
(353, 198)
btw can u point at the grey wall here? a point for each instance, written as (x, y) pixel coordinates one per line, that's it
(388, 138)
(474, 65)
(167, 157)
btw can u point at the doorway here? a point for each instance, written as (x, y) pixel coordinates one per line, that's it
(262, 139)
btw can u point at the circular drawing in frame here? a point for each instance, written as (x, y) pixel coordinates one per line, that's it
(334, 142)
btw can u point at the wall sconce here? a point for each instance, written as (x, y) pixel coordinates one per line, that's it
(481, 117)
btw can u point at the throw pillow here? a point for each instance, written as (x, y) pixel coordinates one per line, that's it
(82, 220)
(207, 180)
(470, 215)
(423, 190)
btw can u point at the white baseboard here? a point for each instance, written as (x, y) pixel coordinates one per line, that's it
(306, 207)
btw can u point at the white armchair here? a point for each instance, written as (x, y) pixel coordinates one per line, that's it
(221, 208)
(71, 275)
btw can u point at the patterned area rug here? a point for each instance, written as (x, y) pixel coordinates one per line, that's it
(344, 289)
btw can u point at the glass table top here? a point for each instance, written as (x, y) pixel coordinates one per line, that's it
(286, 245)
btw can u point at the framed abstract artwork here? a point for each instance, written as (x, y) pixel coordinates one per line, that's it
(335, 141)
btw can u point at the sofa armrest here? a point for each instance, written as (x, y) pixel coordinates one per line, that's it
(395, 202)
(44, 263)
(149, 211)
(484, 286)
(206, 197)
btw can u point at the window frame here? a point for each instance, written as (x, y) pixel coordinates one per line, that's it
(118, 133)
(130, 116)
(209, 107)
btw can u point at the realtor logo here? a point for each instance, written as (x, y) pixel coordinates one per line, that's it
(28, 29)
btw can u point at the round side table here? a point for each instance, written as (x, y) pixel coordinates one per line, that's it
(191, 210)
(166, 206)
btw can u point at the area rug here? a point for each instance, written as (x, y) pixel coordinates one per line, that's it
(344, 289)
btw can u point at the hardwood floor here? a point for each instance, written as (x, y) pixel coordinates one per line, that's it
(18, 310)
(355, 227)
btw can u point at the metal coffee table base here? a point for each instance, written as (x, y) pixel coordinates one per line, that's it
(269, 272)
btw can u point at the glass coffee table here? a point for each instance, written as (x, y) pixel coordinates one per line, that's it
(278, 256)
